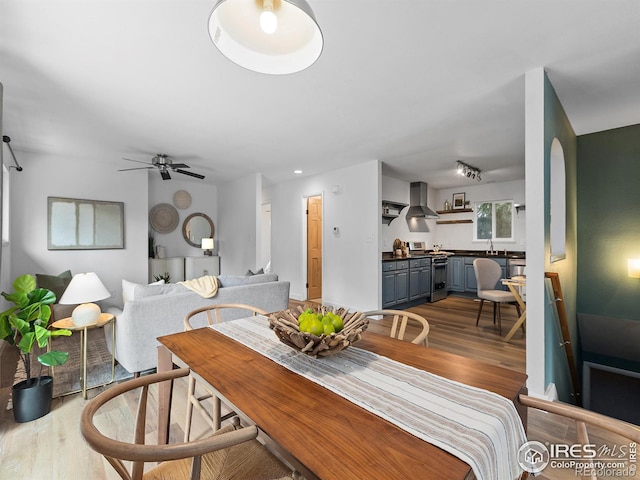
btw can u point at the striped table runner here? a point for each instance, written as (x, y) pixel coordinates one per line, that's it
(479, 427)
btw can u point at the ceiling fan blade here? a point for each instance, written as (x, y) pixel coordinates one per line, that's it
(165, 175)
(137, 168)
(138, 161)
(179, 165)
(191, 174)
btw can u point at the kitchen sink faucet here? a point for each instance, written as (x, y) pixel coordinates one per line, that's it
(491, 252)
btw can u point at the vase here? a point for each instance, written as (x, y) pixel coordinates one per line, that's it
(31, 401)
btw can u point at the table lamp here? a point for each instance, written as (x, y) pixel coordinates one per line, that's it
(83, 289)
(207, 246)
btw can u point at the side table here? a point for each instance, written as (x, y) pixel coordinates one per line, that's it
(104, 319)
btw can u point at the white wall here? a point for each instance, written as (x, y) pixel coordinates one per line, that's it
(534, 171)
(44, 176)
(407, 230)
(204, 199)
(240, 224)
(460, 236)
(351, 258)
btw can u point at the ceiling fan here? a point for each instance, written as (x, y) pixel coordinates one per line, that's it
(163, 163)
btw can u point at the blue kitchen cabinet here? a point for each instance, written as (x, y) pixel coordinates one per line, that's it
(395, 282)
(455, 274)
(419, 278)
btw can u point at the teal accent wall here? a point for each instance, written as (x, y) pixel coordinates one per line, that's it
(557, 125)
(609, 222)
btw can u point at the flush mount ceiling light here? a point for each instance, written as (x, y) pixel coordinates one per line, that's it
(267, 36)
(468, 171)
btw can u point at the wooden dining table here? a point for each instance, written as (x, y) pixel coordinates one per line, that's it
(322, 434)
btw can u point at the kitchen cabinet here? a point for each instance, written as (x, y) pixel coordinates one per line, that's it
(455, 274)
(173, 266)
(419, 278)
(395, 283)
(196, 267)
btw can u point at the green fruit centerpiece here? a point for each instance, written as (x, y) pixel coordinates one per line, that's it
(318, 331)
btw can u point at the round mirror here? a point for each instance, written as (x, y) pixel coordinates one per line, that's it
(196, 227)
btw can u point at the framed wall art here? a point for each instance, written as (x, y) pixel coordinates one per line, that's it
(76, 224)
(458, 201)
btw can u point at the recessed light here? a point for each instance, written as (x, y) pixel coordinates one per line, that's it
(297, 172)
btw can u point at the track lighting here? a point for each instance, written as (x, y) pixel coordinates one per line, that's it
(471, 172)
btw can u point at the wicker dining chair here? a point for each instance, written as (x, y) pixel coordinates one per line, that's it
(399, 324)
(213, 314)
(231, 452)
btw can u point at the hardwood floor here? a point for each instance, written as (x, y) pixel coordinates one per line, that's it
(52, 448)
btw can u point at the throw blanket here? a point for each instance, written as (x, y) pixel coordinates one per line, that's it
(206, 286)
(479, 427)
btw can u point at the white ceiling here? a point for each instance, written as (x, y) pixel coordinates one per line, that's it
(417, 84)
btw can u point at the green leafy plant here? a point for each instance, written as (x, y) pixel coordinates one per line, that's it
(166, 277)
(26, 323)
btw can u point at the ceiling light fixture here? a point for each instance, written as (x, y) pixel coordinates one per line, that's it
(468, 171)
(266, 36)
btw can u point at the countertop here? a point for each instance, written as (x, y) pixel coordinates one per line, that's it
(389, 256)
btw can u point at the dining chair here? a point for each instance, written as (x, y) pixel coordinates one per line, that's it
(399, 324)
(488, 272)
(232, 452)
(582, 418)
(213, 314)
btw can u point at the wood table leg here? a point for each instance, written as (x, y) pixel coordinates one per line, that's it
(523, 316)
(165, 390)
(518, 324)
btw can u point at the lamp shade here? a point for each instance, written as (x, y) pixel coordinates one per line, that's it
(83, 288)
(207, 244)
(291, 42)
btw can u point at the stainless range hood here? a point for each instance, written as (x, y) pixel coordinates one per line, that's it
(418, 202)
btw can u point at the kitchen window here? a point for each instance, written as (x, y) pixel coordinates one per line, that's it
(494, 221)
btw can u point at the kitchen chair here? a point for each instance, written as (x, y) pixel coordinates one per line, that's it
(232, 452)
(584, 417)
(213, 315)
(399, 324)
(488, 273)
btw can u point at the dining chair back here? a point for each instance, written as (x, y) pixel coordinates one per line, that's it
(213, 314)
(399, 321)
(488, 272)
(582, 418)
(233, 452)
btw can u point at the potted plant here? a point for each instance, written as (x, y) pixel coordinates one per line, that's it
(25, 325)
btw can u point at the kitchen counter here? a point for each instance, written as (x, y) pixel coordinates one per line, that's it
(389, 256)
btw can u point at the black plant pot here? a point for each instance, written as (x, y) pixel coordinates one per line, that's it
(32, 401)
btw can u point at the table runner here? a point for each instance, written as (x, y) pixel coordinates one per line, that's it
(479, 427)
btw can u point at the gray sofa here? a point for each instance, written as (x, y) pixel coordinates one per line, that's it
(158, 310)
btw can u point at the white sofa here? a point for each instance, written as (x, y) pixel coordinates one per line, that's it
(158, 310)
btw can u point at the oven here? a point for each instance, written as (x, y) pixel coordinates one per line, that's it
(439, 288)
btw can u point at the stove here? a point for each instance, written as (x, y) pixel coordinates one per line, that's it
(439, 263)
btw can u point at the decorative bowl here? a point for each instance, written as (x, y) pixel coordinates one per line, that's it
(285, 324)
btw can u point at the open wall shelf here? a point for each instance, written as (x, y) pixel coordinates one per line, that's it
(391, 210)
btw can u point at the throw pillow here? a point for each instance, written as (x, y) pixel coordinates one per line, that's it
(129, 289)
(56, 283)
(250, 273)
